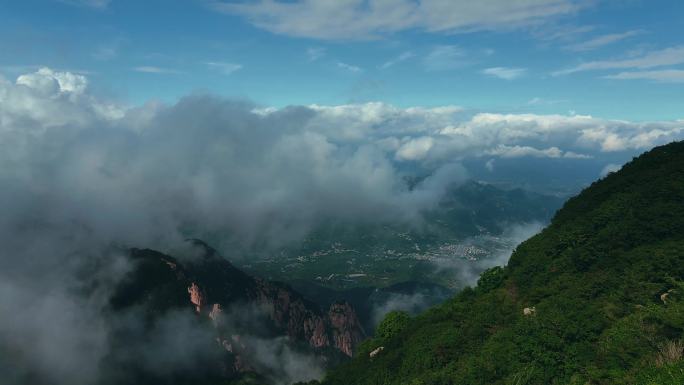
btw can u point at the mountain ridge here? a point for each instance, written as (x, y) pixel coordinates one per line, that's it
(592, 299)
(230, 307)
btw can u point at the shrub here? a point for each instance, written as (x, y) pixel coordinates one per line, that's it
(394, 323)
(491, 279)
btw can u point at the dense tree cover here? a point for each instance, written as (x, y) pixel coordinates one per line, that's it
(602, 285)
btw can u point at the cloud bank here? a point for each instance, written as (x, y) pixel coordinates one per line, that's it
(206, 165)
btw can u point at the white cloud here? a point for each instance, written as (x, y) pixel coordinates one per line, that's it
(578, 133)
(191, 156)
(401, 58)
(97, 4)
(664, 57)
(505, 72)
(349, 67)
(347, 142)
(48, 98)
(537, 101)
(490, 165)
(48, 81)
(445, 57)
(155, 70)
(268, 161)
(574, 155)
(563, 33)
(609, 168)
(663, 76)
(403, 132)
(315, 53)
(371, 121)
(105, 53)
(505, 151)
(415, 149)
(367, 19)
(603, 40)
(224, 67)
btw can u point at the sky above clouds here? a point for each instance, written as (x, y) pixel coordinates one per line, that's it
(605, 58)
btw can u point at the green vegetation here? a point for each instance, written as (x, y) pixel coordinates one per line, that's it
(392, 325)
(596, 298)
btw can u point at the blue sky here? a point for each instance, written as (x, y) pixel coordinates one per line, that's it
(610, 59)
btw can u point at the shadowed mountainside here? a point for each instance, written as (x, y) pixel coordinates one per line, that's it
(228, 310)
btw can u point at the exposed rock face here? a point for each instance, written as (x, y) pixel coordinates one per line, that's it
(302, 320)
(376, 351)
(339, 328)
(665, 296)
(346, 328)
(196, 297)
(237, 349)
(216, 291)
(215, 312)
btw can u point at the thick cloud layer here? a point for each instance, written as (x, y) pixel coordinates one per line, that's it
(81, 176)
(209, 166)
(228, 166)
(144, 174)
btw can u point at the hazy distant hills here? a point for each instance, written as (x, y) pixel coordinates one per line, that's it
(477, 207)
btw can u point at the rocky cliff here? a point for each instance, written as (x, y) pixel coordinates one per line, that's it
(238, 307)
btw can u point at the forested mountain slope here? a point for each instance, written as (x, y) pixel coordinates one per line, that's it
(596, 298)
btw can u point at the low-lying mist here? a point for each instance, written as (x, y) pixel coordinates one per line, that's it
(467, 272)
